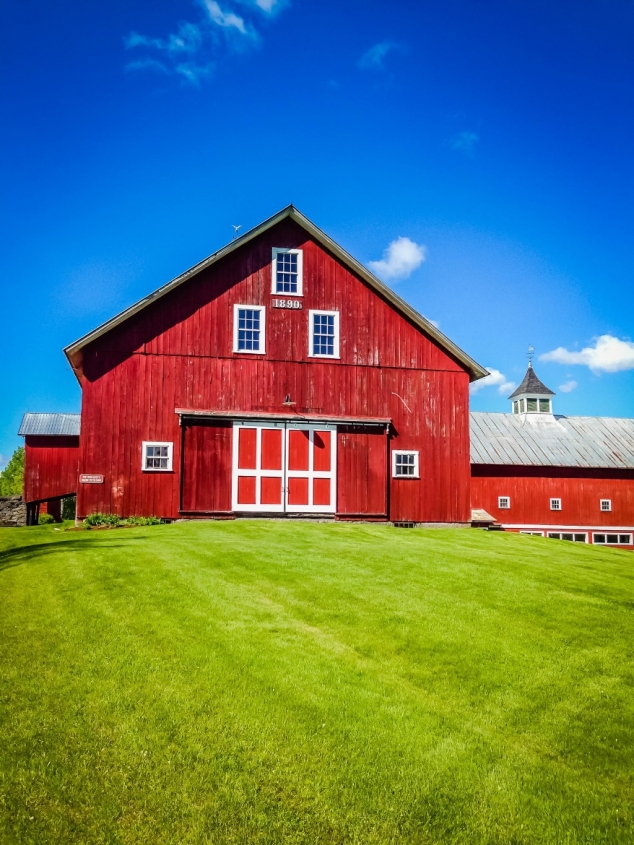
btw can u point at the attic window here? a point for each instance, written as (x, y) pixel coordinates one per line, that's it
(287, 271)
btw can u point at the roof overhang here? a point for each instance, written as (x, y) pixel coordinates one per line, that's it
(476, 371)
(290, 416)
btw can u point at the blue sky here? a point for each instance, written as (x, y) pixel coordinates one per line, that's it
(480, 154)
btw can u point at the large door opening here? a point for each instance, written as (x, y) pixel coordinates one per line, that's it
(284, 467)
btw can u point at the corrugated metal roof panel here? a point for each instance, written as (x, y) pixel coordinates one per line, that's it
(547, 440)
(50, 425)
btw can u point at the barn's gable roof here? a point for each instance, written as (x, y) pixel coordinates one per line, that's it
(74, 350)
(531, 384)
(555, 441)
(50, 425)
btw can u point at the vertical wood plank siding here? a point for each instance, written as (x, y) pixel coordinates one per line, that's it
(531, 489)
(50, 467)
(178, 353)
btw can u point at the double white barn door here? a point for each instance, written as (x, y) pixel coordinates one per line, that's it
(284, 467)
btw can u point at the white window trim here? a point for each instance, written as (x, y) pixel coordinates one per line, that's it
(277, 250)
(549, 535)
(170, 455)
(533, 533)
(609, 507)
(396, 452)
(311, 332)
(262, 310)
(605, 534)
(504, 507)
(556, 507)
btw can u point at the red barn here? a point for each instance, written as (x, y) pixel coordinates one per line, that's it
(276, 377)
(568, 478)
(51, 454)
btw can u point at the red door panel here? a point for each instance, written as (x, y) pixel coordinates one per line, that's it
(247, 448)
(246, 490)
(272, 448)
(298, 444)
(298, 491)
(271, 491)
(207, 467)
(321, 457)
(321, 491)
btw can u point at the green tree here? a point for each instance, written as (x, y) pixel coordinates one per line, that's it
(12, 476)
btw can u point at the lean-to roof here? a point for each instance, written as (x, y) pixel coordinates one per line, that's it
(50, 425)
(74, 350)
(556, 441)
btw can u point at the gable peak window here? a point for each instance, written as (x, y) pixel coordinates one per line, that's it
(323, 338)
(248, 328)
(288, 271)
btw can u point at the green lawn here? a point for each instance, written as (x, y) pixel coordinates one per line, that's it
(263, 682)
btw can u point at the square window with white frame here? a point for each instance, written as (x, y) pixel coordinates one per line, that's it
(323, 330)
(504, 502)
(405, 464)
(555, 504)
(287, 271)
(249, 323)
(606, 504)
(157, 457)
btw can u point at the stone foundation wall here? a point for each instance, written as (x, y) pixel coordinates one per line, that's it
(12, 512)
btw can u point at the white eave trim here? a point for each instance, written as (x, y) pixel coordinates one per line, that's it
(475, 370)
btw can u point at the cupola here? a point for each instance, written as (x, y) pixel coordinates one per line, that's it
(532, 396)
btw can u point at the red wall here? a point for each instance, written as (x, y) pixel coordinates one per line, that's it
(50, 467)
(177, 353)
(531, 489)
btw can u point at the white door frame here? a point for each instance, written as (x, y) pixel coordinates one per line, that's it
(284, 473)
(258, 472)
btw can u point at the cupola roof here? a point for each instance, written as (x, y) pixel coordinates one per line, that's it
(531, 385)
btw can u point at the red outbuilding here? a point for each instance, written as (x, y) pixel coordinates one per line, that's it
(277, 377)
(537, 472)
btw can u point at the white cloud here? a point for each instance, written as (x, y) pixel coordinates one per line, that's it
(399, 260)
(567, 386)
(494, 379)
(464, 142)
(227, 20)
(608, 355)
(189, 51)
(375, 56)
(435, 323)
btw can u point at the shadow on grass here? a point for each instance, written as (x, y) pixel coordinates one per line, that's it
(30, 554)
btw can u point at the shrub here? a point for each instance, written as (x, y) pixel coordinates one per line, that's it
(12, 476)
(110, 519)
(143, 520)
(45, 519)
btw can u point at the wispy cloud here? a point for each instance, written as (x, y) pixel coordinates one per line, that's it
(374, 58)
(464, 142)
(567, 386)
(608, 355)
(494, 379)
(399, 260)
(192, 50)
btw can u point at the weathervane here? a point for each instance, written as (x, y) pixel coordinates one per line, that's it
(529, 355)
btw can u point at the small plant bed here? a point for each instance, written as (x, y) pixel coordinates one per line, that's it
(95, 521)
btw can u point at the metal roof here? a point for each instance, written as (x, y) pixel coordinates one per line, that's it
(531, 384)
(550, 440)
(50, 425)
(476, 371)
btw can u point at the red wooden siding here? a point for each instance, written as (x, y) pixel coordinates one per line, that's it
(531, 488)
(177, 353)
(50, 467)
(362, 470)
(206, 485)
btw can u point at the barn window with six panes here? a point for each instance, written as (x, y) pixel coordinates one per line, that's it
(287, 271)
